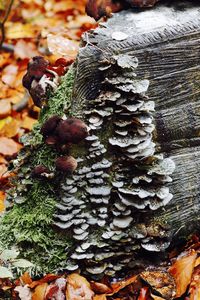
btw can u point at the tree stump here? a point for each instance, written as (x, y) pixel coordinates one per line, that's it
(136, 84)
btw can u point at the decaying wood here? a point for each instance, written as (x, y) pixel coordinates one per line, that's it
(165, 41)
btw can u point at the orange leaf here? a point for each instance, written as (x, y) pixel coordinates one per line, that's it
(116, 287)
(8, 146)
(40, 291)
(195, 285)
(78, 288)
(2, 198)
(182, 271)
(47, 278)
(100, 288)
(26, 279)
(100, 297)
(28, 123)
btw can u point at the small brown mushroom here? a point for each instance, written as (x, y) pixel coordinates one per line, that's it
(66, 164)
(40, 170)
(50, 125)
(72, 131)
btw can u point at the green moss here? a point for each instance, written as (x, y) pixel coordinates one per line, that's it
(28, 225)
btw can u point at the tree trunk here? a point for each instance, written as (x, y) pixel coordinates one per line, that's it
(136, 189)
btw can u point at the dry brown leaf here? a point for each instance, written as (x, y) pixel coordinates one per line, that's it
(40, 291)
(182, 271)
(8, 146)
(154, 297)
(195, 285)
(78, 288)
(2, 200)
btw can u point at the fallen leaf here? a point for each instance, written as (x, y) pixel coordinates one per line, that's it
(182, 271)
(11, 128)
(161, 282)
(5, 108)
(4, 59)
(24, 292)
(28, 123)
(40, 291)
(46, 279)
(8, 146)
(24, 50)
(100, 297)
(194, 289)
(197, 262)
(59, 45)
(56, 290)
(9, 75)
(100, 288)
(26, 278)
(143, 294)
(2, 199)
(78, 288)
(116, 287)
(20, 30)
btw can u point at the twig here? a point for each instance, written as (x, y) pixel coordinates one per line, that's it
(2, 28)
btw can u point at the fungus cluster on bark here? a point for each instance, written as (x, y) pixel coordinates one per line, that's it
(101, 8)
(120, 177)
(42, 77)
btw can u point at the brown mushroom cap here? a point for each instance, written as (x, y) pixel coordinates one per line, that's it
(50, 125)
(66, 164)
(72, 131)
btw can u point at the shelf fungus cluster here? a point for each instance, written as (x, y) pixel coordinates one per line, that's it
(120, 178)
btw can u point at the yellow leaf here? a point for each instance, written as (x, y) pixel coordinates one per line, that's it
(182, 271)
(20, 30)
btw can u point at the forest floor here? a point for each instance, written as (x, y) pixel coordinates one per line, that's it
(53, 29)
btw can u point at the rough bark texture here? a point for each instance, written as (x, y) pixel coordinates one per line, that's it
(137, 87)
